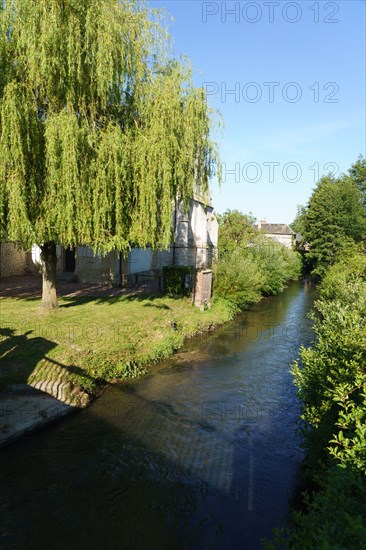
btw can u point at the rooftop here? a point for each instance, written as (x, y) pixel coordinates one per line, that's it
(276, 228)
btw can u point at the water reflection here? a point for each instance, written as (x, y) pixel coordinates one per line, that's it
(201, 454)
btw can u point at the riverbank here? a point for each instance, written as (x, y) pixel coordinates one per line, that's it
(88, 342)
(331, 381)
(210, 431)
(60, 360)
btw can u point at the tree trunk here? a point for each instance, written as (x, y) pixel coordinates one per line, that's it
(49, 261)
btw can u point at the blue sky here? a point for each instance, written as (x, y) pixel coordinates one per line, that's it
(297, 70)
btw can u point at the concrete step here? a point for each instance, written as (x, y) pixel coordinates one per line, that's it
(55, 388)
(51, 379)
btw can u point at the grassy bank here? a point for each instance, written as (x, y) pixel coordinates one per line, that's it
(88, 342)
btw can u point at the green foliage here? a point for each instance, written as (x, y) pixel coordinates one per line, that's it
(331, 379)
(226, 304)
(238, 279)
(334, 218)
(358, 175)
(249, 264)
(235, 229)
(174, 279)
(277, 263)
(99, 129)
(99, 369)
(344, 280)
(335, 518)
(164, 349)
(297, 223)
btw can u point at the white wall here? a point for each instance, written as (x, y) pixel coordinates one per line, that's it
(286, 240)
(139, 259)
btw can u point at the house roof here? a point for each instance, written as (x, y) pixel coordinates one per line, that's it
(276, 229)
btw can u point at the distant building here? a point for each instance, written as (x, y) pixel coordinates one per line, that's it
(280, 232)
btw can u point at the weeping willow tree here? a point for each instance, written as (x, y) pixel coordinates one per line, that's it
(99, 132)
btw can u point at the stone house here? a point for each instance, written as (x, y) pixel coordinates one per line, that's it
(195, 244)
(280, 232)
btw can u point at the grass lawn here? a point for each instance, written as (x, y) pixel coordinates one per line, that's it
(88, 341)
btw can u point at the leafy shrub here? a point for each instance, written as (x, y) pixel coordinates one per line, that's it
(350, 269)
(331, 380)
(174, 279)
(334, 516)
(238, 279)
(263, 268)
(278, 263)
(249, 264)
(130, 370)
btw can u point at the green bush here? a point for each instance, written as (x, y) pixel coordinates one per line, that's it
(247, 273)
(238, 279)
(334, 518)
(278, 263)
(331, 380)
(174, 279)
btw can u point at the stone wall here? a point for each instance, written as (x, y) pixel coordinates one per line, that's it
(203, 288)
(196, 236)
(163, 258)
(195, 245)
(91, 268)
(286, 240)
(139, 260)
(13, 261)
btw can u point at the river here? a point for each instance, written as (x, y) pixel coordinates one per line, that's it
(200, 454)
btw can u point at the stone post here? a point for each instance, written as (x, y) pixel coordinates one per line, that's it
(203, 288)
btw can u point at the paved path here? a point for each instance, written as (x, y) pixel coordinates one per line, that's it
(24, 409)
(26, 286)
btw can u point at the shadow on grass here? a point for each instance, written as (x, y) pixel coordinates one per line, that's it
(21, 354)
(160, 306)
(73, 369)
(72, 301)
(24, 297)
